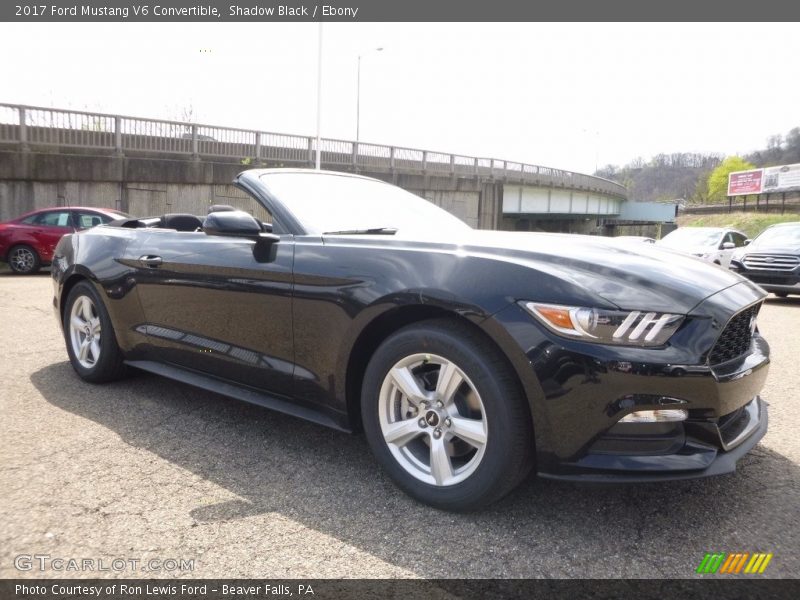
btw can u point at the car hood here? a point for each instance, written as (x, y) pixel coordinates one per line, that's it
(768, 249)
(689, 249)
(630, 277)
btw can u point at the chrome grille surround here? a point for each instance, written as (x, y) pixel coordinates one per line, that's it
(771, 262)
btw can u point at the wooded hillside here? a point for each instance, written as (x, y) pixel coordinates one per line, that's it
(684, 175)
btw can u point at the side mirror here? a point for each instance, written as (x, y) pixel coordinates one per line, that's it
(237, 223)
(747, 241)
(728, 246)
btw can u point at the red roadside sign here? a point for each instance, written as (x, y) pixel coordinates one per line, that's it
(745, 182)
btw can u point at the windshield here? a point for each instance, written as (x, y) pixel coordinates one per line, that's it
(688, 236)
(779, 236)
(329, 203)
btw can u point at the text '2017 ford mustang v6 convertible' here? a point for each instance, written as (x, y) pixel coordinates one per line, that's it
(467, 357)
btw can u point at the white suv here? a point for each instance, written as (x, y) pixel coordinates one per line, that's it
(713, 244)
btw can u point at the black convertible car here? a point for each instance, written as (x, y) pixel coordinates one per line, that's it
(467, 357)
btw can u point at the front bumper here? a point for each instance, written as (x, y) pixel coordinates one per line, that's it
(694, 458)
(787, 282)
(578, 392)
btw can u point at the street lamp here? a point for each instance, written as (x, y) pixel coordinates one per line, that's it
(319, 97)
(596, 146)
(358, 94)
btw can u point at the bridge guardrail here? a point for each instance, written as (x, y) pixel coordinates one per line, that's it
(54, 127)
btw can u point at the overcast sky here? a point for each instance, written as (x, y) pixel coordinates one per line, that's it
(563, 95)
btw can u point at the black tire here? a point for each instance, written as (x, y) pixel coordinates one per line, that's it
(508, 453)
(109, 365)
(781, 294)
(24, 260)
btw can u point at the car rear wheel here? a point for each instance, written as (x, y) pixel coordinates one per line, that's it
(23, 260)
(445, 417)
(91, 343)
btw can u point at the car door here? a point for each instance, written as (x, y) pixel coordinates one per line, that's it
(210, 305)
(48, 228)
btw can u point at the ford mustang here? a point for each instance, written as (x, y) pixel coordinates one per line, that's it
(468, 358)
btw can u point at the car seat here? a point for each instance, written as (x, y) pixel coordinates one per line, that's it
(181, 222)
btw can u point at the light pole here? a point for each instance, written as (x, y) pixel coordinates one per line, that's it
(319, 95)
(596, 146)
(358, 95)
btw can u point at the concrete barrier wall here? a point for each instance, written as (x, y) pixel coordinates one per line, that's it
(145, 186)
(18, 197)
(137, 198)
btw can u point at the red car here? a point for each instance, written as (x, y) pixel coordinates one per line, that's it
(27, 242)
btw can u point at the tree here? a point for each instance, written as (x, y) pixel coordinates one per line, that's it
(700, 194)
(792, 149)
(718, 179)
(607, 172)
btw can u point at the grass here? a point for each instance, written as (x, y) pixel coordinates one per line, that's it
(751, 223)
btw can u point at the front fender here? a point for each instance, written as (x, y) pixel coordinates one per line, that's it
(95, 256)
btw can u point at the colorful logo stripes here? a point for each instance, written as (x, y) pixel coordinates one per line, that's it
(738, 562)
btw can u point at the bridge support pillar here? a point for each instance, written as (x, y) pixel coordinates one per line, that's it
(491, 201)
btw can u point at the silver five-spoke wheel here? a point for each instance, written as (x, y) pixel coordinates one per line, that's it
(84, 331)
(433, 419)
(445, 416)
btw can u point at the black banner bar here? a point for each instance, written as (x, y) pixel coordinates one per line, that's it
(397, 10)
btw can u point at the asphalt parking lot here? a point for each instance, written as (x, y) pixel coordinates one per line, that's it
(148, 468)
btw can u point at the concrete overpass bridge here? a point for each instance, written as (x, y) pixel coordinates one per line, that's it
(51, 157)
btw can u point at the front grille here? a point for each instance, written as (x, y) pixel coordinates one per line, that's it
(770, 280)
(735, 338)
(771, 262)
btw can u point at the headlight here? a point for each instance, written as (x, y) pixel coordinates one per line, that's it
(625, 328)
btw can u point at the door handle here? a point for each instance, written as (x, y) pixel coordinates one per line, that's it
(148, 260)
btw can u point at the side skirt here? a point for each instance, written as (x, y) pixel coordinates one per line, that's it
(212, 384)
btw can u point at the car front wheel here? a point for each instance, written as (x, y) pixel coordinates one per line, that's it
(23, 260)
(445, 417)
(91, 343)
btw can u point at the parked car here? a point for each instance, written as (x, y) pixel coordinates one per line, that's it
(27, 243)
(712, 244)
(772, 259)
(468, 357)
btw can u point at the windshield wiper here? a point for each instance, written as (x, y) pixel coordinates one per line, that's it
(373, 231)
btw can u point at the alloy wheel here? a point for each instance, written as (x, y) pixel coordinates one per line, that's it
(85, 329)
(22, 260)
(432, 419)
